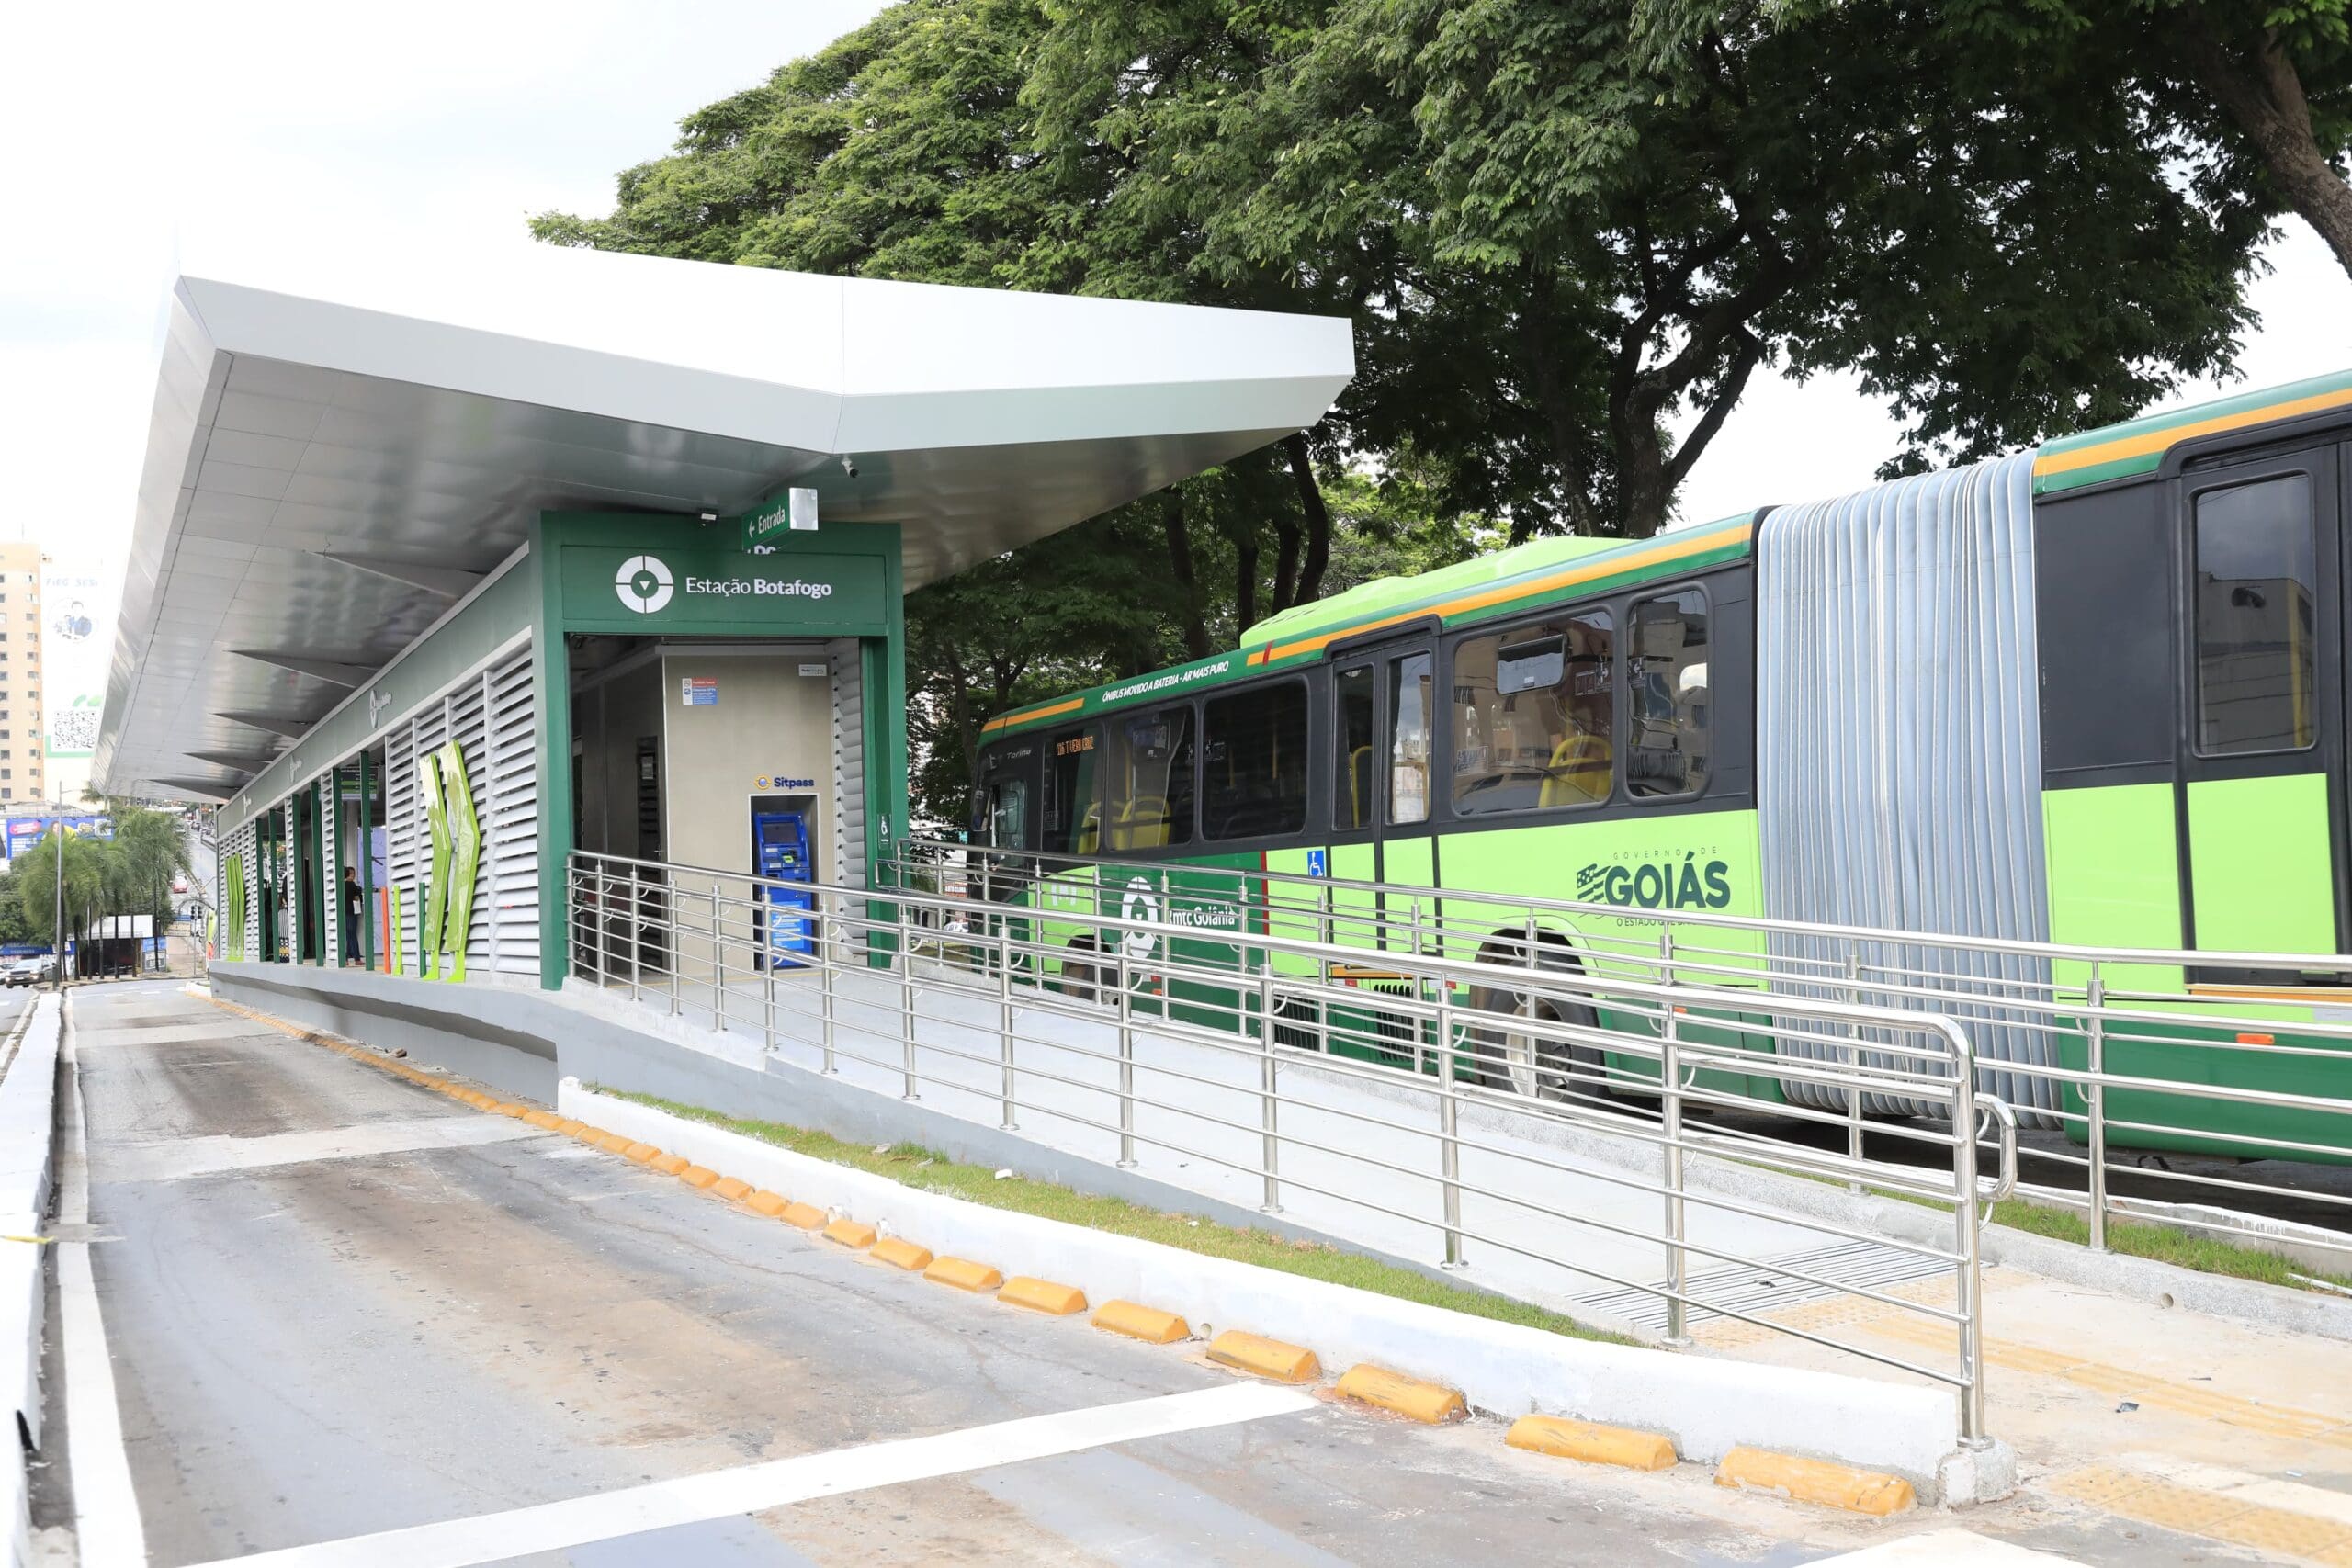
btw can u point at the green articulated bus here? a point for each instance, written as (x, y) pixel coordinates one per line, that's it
(2092, 695)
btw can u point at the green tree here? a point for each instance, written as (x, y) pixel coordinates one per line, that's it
(1619, 223)
(149, 849)
(13, 926)
(87, 872)
(2252, 97)
(902, 150)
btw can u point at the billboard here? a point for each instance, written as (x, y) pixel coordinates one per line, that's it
(23, 832)
(77, 603)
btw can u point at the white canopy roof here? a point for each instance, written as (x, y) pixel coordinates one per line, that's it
(340, 446)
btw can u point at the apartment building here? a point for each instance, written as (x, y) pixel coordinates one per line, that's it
(22, 775)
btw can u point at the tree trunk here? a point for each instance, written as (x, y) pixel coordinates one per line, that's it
(1287, 542)
(1318, 520)
(1245, 581)
(1645, 488)
(1179, 562)
(2258, 87)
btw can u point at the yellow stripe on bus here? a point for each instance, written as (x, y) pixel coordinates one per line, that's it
(2148, 441)
(1657, 554)
(1070, 706)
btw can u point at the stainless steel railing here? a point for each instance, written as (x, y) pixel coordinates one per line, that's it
(2112, 1050)
(1175, 1044)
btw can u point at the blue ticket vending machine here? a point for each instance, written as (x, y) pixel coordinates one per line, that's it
(780, 851)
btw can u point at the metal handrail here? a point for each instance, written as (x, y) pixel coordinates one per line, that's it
(2063, 952)
(2085, 1018)
(863, 954)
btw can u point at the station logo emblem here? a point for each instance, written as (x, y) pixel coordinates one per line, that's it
(643, 583)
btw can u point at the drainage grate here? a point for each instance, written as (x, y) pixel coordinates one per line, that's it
(1756, 1290)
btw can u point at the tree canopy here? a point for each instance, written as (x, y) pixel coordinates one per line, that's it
(1568, 233)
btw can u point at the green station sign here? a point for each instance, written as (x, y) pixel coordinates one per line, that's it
(684, 587)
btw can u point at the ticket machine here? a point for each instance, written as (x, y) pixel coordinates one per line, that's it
(780, 855)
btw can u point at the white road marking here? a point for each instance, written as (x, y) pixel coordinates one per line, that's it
(1945, 1548)
(176, 1159)
(106, 1508)
(718, 1494)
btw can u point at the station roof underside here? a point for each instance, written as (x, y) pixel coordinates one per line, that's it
(340, 449)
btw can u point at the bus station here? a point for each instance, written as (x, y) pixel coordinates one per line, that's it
(459, 550)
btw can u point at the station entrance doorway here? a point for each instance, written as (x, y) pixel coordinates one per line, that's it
(677, 745)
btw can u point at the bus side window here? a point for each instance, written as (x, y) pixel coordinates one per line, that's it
(1149, 803)
(1353, 775)
(1073, 797)
(1253, 755)
(1409, 745)
(2256, 618)
(1535, 716)
(1665, 681)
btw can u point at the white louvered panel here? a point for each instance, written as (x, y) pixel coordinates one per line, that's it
(246, 841)
(403, 833)
(849, 763)
(324, 792)
(510, 818)
(430, 728)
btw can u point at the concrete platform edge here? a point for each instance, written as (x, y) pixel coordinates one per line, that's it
(27, 1123)
(1707, 1404)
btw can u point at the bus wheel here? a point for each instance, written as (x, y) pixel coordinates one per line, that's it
(1083, 979)
(1538, 1066)
(1298, 1024)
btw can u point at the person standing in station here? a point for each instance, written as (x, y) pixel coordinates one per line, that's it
(351, 910)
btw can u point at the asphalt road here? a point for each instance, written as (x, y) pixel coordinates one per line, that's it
(337, 1305)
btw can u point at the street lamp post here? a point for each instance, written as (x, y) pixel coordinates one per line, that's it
(57, 929)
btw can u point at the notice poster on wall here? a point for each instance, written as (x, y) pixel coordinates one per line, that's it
(699, 691)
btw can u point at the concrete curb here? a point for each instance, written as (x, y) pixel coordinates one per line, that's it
(28, 1117)
(1707, 1406)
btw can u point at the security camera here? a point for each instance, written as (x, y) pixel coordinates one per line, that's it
(849, 466)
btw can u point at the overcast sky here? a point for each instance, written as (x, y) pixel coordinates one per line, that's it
(456, 121)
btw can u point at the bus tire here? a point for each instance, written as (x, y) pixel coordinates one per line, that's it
(1298, 1024)
(1540, 1069)
(1083, 978)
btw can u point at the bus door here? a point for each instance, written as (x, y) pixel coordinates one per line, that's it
(2261, 809)
(1383, 780)
(1004, 827)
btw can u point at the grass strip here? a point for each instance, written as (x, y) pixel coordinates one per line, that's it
(2166, 1244)
(927, 1170)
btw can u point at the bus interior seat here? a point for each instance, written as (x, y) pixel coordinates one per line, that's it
(1578, 763)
